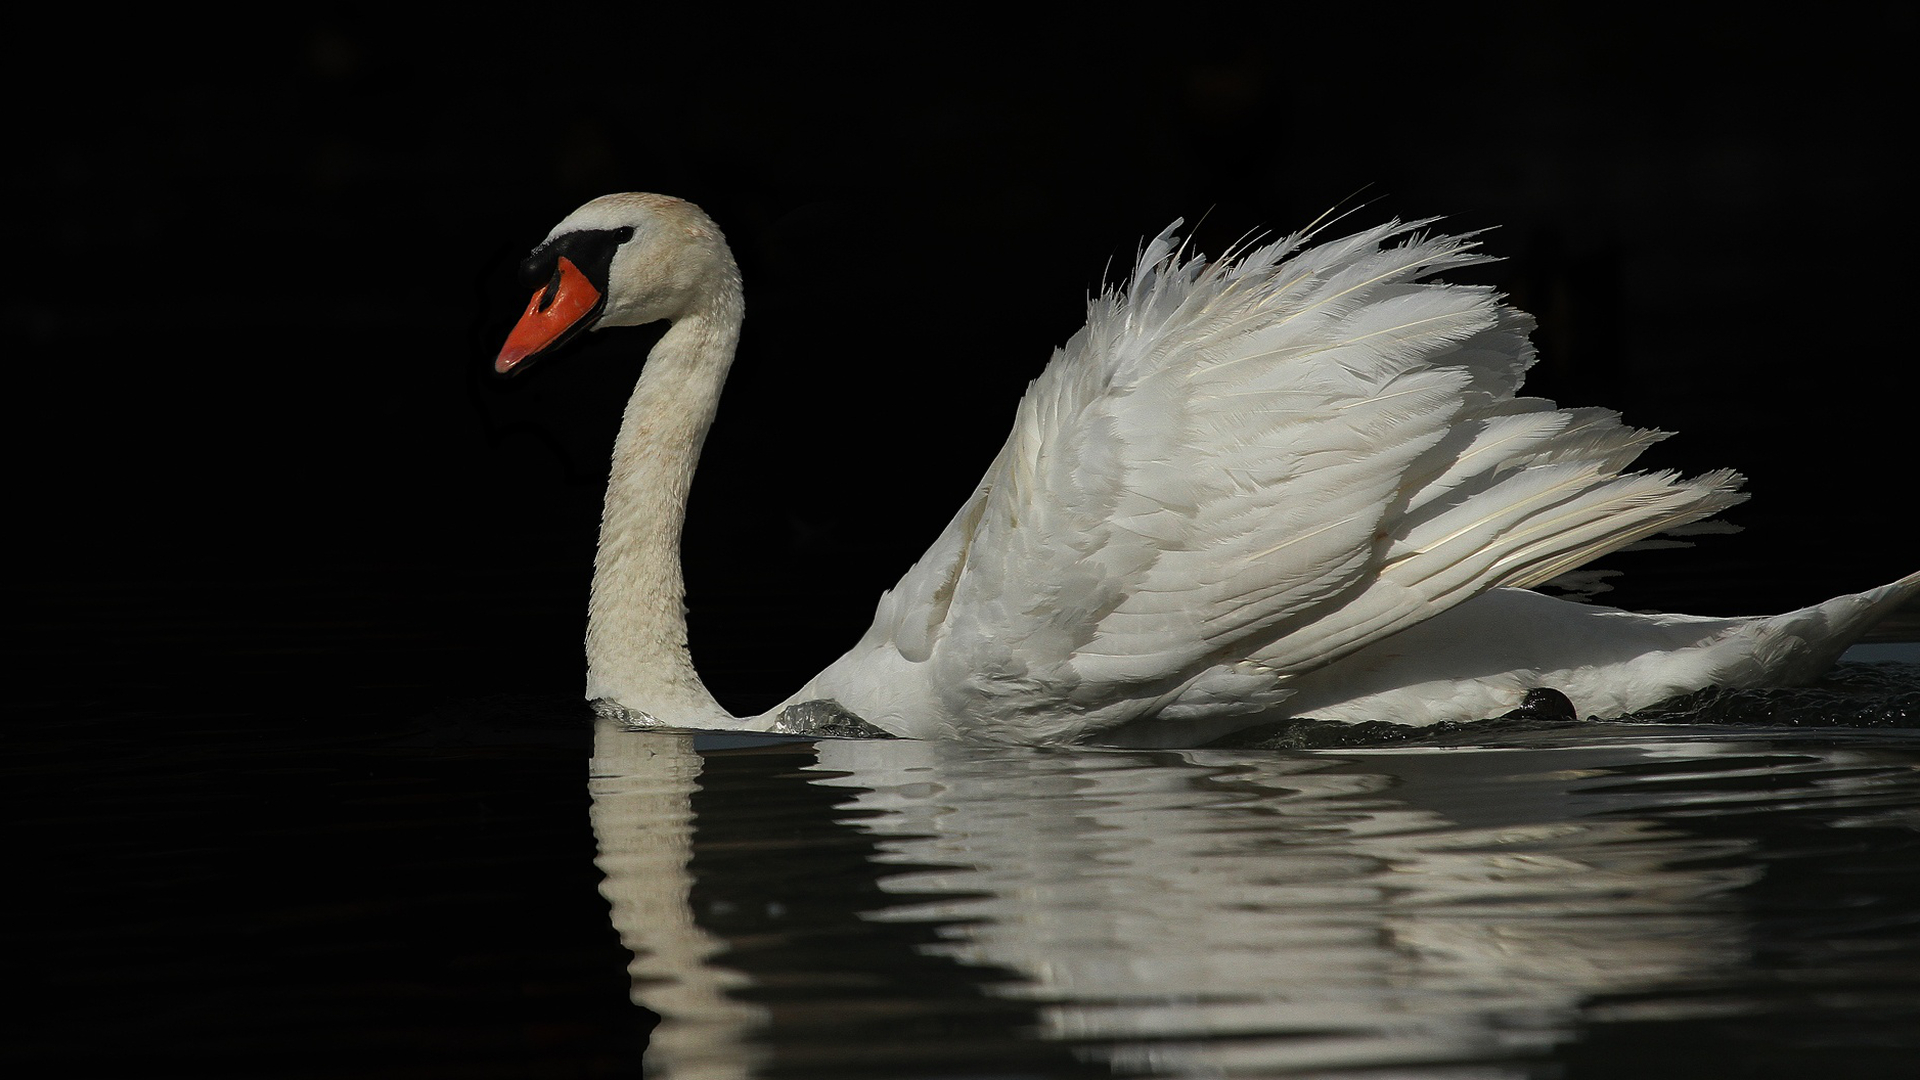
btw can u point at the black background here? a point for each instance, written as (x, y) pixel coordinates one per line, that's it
(260, 268)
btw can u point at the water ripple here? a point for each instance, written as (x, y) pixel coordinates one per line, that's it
(897, 908)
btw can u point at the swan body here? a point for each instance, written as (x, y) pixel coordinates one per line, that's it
(1296, 481)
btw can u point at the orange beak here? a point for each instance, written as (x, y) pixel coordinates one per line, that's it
(554, 314)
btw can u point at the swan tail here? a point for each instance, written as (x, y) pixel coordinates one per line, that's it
(1607, 662)
(1800, 646)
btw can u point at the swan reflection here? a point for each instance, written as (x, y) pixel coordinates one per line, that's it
(1178, 913)
(643, 827)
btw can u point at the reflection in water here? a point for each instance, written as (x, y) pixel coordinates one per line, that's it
(643, 824)
(899, 908)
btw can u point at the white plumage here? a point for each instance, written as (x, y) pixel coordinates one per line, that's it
(1298, 480)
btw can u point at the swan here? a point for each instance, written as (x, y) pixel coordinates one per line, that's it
(1295, 481)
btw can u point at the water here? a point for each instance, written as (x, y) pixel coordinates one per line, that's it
(498, 888)
(1625, 900)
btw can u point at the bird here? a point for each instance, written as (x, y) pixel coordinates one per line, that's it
(1297, 480)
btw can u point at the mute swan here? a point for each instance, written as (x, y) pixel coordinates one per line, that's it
(1297, 481)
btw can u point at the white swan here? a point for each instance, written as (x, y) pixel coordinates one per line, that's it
(1297, 481)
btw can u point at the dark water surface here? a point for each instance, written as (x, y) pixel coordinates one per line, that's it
(283, 879)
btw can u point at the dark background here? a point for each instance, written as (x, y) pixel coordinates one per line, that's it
(259, 271)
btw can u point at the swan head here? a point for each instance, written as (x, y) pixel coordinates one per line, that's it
(620, 260)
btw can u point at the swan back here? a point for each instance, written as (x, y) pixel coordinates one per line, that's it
(1239, 471)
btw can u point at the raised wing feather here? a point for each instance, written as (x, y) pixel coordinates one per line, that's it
(1243, 470)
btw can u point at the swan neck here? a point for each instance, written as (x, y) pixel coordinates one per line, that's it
(637, 651)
